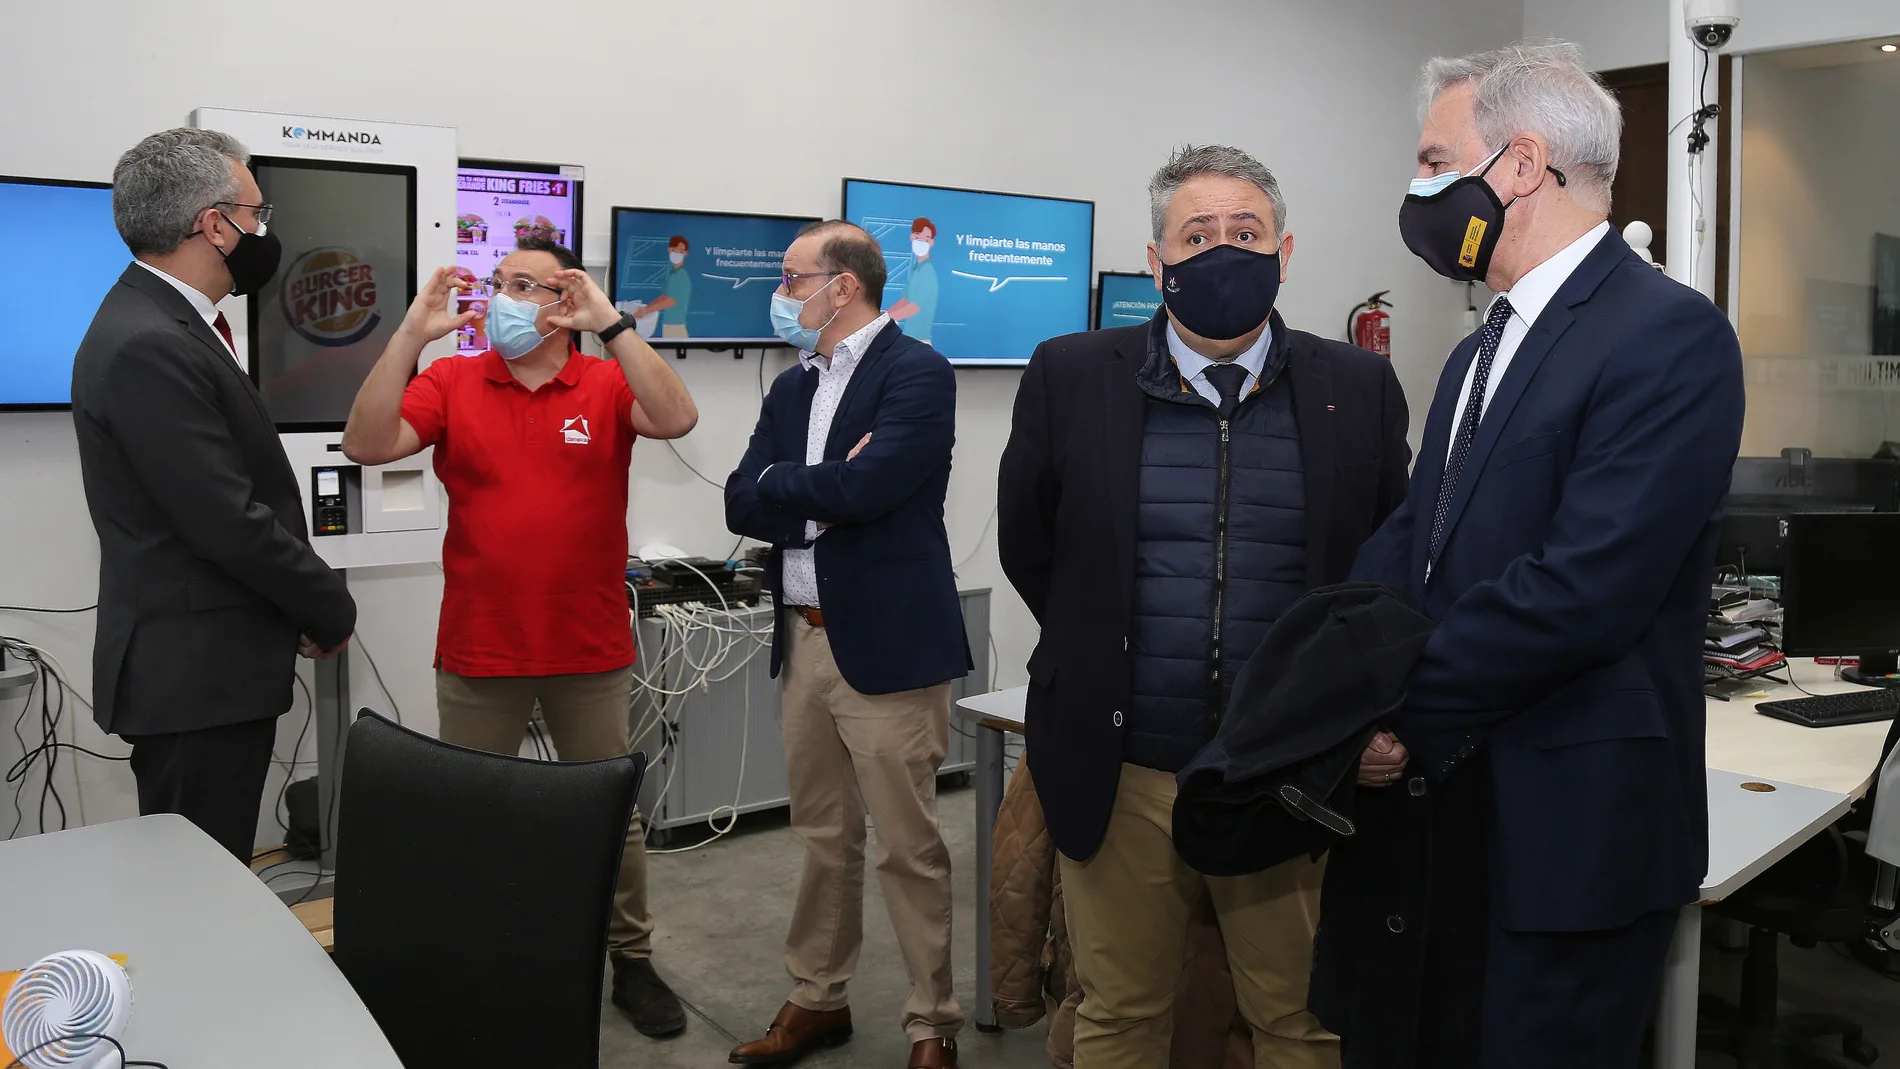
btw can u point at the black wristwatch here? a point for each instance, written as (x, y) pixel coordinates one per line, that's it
(626, 320)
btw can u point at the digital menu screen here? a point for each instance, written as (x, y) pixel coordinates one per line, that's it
(497, 203)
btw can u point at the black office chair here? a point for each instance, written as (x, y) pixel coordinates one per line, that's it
(472, 896)
(1818, 894)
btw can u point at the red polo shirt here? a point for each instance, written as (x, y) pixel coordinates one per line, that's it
(535, 560)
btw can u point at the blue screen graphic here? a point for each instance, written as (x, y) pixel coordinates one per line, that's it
(990, 276)
(1126, 300)
(721, 290)
(36, 349)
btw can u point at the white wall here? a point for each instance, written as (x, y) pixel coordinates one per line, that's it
(1819, 147)
(750, 105)
(1632, 33)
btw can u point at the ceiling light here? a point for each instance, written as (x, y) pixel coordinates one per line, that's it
(1890, 48)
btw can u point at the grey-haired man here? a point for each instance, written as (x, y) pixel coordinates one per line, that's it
(208, 587)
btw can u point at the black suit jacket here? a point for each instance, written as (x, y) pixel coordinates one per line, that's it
(206, 575)
(1066, 531)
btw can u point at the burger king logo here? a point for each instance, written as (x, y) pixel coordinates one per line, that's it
(329, 296)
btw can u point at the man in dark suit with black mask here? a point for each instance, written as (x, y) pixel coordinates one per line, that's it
(1167, 492)
(208, 587)
(1511, 893)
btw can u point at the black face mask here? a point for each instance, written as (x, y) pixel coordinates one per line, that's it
(1456, 229)
(253, 261)
(1222, 293)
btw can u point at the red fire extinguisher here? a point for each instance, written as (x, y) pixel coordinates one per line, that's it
(1370, 326)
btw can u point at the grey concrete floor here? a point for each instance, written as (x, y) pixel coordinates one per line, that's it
(721, 914)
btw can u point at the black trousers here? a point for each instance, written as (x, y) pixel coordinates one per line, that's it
(213, 777)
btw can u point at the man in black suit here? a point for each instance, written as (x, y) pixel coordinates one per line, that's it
(208, 587)
(1167, 492)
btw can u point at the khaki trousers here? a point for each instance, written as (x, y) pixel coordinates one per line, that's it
(1128, 910)
(846, 755)
(588, 717)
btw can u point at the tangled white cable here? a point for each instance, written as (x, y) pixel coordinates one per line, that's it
(79, 994)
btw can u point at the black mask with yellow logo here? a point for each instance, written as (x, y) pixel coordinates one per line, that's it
(1455, 229)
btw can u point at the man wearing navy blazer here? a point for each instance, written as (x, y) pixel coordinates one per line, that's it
(845, 476)
(1512, 893)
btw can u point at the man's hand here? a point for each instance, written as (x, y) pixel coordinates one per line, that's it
(859, 448)
(309, 649)
(583, 306)
(1383, 762)
(432, 314)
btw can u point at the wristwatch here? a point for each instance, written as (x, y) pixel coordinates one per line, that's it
(626, 320)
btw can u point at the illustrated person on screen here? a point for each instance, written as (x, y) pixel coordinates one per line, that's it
(532, 442)
(916, 310)
(676, 294)
(208, 586)
(845, 477)
(1523, 852)
(1168, 491)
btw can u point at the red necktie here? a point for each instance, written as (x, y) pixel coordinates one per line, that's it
(224, 331)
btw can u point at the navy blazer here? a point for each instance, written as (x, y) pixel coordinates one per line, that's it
(1571, 593)
(884, 576)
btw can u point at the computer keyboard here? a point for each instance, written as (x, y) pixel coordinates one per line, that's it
(1828, 710)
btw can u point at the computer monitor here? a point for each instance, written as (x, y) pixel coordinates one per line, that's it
(1764, 491)
(348, 274)
(694, 279)
(1124, 298)
(36, 349)
(983, 277)
(1840, 591)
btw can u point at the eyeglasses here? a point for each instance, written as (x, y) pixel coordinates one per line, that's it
(263, 210)
(520, 286)
(788, 277)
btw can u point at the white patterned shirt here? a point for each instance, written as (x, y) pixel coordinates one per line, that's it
(800, 573)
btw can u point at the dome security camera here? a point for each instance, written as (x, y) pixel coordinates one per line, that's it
(1711, 22)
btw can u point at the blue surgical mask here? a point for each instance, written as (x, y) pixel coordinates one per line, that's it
(511, 326)
(1436, 184)
(785, 311)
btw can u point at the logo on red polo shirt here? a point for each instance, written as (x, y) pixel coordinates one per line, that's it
(576, 432)
(330, 296)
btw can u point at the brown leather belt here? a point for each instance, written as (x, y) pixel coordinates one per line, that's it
(814, 617)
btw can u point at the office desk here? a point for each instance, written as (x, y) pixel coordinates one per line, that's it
(993, 715)
(1816, 774)
(223, 976)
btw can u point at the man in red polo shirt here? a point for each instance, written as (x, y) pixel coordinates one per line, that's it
(532, 441)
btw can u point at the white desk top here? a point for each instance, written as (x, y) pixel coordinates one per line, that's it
(1751, 829)
(220, 970)
(1003, 706)
(1839, 759)
(1740, 740)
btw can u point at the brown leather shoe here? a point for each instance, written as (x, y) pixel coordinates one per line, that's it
(933, 1054)
(796, 1032)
